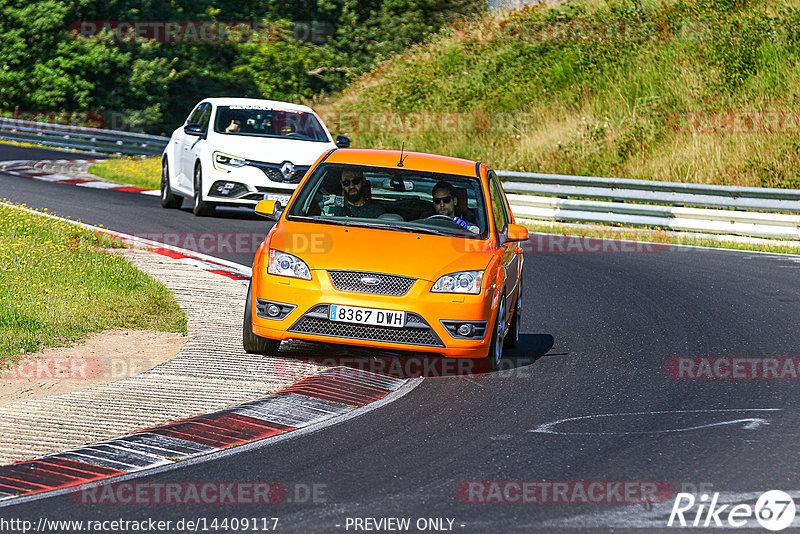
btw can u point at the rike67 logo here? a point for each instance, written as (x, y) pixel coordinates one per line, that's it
(774, 510)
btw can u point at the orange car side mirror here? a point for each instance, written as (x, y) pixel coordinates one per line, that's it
(271, 209)
(517, 232)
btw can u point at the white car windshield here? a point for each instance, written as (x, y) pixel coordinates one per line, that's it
(267, 122)
(394, 199)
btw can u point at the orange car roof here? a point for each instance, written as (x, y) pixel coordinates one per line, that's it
(415, 161)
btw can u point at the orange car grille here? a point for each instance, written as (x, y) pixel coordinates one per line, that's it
(388, 284)
(416, 331)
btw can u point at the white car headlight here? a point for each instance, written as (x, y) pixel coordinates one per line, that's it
(460, 282)
(284, 264)
(223, 162)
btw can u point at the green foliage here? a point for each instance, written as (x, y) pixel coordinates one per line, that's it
(723, 6)
(154, 85)
(283, 69)
(600, 87)
(738, 43)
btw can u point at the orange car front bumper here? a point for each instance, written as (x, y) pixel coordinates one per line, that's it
(432, 308)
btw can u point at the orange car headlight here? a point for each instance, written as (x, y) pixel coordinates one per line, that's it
(284, 264)
(460, 282)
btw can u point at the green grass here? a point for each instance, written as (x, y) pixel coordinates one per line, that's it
(559, 88)
(142, 172)
(58, 284)
(652, 235)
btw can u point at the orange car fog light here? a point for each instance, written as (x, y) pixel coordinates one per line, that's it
(273, 310)
(465, 329)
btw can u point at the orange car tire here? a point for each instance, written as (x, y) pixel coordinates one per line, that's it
(512, 339)
(252, 343)
(496, 346)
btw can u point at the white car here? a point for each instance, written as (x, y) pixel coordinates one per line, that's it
(237, 151)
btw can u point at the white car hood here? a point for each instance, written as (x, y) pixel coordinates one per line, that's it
(270, 149)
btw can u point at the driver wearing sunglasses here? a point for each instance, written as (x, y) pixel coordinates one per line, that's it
(356, 203)
(445, 202)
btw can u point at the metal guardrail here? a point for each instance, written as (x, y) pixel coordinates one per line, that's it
(676, 193)
(90, 140)
(655, 204)
(533, 196)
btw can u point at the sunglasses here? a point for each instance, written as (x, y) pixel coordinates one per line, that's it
(446, 200)
(355, 181)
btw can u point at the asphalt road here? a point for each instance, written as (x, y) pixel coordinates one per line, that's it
(609, 323)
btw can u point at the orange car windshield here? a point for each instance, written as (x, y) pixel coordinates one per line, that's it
(394, 199)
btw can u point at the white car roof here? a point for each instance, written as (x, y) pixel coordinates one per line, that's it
(288, 106)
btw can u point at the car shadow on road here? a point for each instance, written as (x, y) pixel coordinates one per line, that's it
(529, 349)
(240, 214)
(409, 364)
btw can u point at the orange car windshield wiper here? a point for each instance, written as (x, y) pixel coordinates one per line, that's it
(346, 221)
(421, 230)
(323, 220)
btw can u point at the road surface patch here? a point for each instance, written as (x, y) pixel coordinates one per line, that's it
(329, 393)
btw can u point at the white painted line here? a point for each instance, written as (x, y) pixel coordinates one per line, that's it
(291, 409)
(99, 185)
(48, 177)
(748, 423)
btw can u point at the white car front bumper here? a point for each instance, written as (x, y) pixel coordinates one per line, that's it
(248, 184)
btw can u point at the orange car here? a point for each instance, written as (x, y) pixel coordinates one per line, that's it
(391, 250)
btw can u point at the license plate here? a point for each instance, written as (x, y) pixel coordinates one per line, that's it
(371, 316)
(283, 199)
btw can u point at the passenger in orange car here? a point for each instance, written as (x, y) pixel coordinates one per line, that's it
(356, 200)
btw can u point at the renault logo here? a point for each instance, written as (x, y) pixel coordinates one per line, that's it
(287, 170)
(370, 280)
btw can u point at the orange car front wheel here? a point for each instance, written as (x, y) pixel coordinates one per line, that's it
(252, 343)
(496, 346)
(512, 339)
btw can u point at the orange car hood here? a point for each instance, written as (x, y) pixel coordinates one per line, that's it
(324, 246)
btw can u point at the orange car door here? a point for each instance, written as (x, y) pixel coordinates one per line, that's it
(509, 258)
